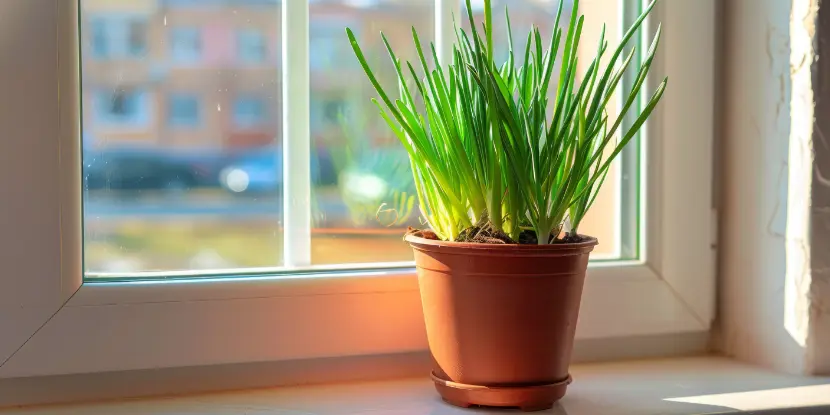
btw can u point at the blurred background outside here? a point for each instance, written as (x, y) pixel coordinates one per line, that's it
(182, 131)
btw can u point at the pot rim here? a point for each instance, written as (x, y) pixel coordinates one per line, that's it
(432, 245)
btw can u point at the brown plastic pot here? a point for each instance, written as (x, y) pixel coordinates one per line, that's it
(501, 319)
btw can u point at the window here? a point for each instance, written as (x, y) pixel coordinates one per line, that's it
(122, 107)
(100, 42)
(251, 46)
(248, 111)
(183, 110)
(118, 36)
(137, 38)
(186, 44)
(216, 131)
(333, 110)
(329, 50)
(328, 112)
(190, 275)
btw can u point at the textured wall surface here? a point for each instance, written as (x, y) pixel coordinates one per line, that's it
(775, 200)
(755, 131)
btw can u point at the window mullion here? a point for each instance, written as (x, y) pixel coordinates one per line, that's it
(444, 31)
(296, 140)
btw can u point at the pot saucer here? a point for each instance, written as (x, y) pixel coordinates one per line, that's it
(528, 398)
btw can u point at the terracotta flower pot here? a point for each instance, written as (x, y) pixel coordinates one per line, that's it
(501, 319)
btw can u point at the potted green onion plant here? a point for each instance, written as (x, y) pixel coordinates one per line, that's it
(504, 176)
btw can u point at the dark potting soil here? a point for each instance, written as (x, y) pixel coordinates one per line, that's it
(528, 237)
(484, 235)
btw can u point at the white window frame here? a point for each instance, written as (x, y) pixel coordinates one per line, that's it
(54, 323)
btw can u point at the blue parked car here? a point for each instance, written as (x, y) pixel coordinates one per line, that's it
(261, 171)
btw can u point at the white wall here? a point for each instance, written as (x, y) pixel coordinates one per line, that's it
(767, 298)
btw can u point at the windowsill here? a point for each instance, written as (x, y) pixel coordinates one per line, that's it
(694, 385)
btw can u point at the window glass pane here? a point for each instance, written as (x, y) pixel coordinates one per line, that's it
(603, 220)
(366, 202)
(183, 165)
(363, 195)
(181, 135)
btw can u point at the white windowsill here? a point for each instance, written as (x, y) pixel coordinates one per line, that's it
(694, 385)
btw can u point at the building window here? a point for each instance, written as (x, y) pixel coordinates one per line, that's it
(118, 37)
(331, 49)
(183, 110)
(122, 107)
(327, 112)
(333, 110)
(186, 44)
(250, 46)
(100, 41)
(248, 112)
(137, 38)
